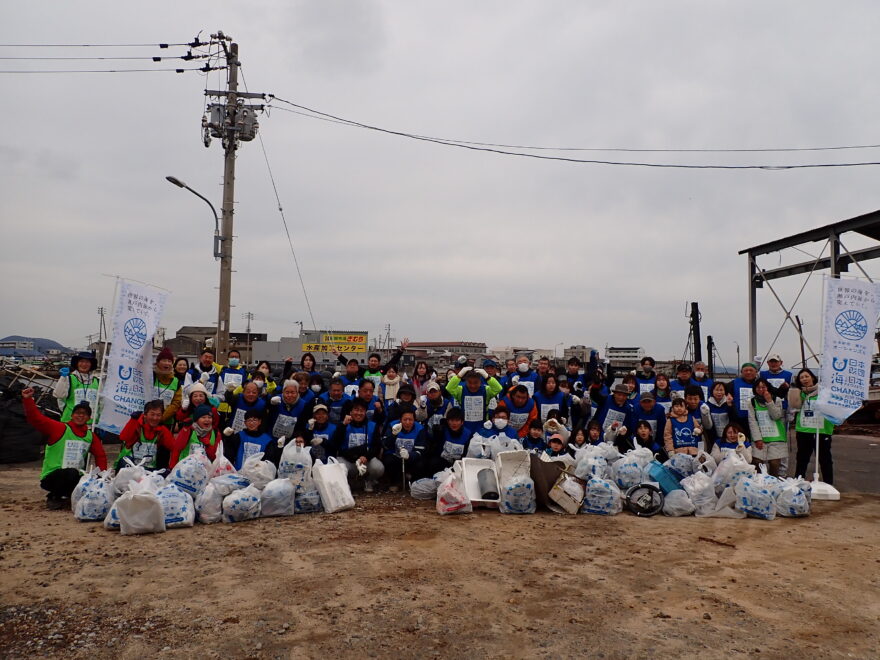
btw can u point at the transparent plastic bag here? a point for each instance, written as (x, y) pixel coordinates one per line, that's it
(128, 475)
(602, 497)
(681, 464)
(177, 506)
(111, 520)
(704, 462)
(295, 463)
(258, 471)
(518, 495)
(451, 497)
(755, 498)
(331, 480)
(678, 503)
(226, 483)
(627, 472)
(191, 474)
(701, 490)
(242, 505)
(592, 465)
(209, 504)
(424, 489)
(307, 499)
(794, 499)
(278, 498)
(730, 470)
(95, 499)
(139, 509)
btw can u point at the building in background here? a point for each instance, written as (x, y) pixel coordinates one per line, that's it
(579, 351)
(624, 357)
(351, 343)
(191, 339)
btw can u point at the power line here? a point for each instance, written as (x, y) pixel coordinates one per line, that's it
(154, 58)
(283, 218)
(203, 69)
(195, 43)
(474, 147)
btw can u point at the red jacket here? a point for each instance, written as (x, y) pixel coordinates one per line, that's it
(131, 434)
(182, 440)
(53, 431)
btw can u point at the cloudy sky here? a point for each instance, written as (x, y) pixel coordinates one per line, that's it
(442, 243)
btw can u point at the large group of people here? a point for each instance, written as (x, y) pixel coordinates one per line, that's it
(381, 422)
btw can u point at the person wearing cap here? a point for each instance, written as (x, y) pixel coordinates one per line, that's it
(206, 372)
(357, 444)
(406, 397)
(524, 375)
(617, 412)
(288, 412)
(232, 376)
(491, 368)
(238, 446)
(373, 370)
(76, 384)
(649, 411)
(200, 436)
(319, 432)
(521, 409)
(196, 395)
(166, 387)
(780, 379)
(557, 445)
(405, 447)
(701, 378)
(742, 391)
(450, 441)
(436, 406)
(683, 374)
(250, 399)
(351, 378)
(67, 444)
(473, 397)
(646, 378)
(145, 438)
(335, 399)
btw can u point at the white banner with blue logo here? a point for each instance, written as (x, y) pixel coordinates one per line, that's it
(136, 318)
(850, 319)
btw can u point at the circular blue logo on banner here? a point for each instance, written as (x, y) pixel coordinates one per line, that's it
(135, 331)
(851, 325)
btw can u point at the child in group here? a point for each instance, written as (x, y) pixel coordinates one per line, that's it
(555, 424)
(534, 439)
(556, 446)
(767, 424)
(648, 410)
(473, 397)
(645, 437)
(451, 441)
(693, 401)
(521, 408)
(683, 431)
(357, 444)
(578, 439)
(197, 395)
(144, 435)
(241, 445)
(594, 432)
(406, 443)
(200, 436)
(406, 398)
(67, 444)
(732, 439)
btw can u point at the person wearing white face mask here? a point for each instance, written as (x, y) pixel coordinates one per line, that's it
(524, 375)
(701, 378)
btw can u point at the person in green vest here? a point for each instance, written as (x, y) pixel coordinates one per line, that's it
(67, 444)
(144, 435)
(200, 436)
(767, 427)
(77, 383)
(166, 387)
(802, 398)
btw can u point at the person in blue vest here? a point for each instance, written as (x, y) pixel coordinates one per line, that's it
(288, 412)
(351, 377)
(319, 432)
(450, 441)
(653, 414)
(406, 398)
(232, 376)
(645, 437)
(240, 404)
(731, 439)
(316, 385)
(335, 399)
(594, 432)
(662, 393)
(701, 378)
(375, 409)
(574, 376)
(308, 364)
(205, 372)
(520, 407)
(780, 379)
(498, 426)
(683, 375)
(683, 434)
(693, 400)
(646, 377)
(473, 397)
(491, 368)
(721, 410)
(436, 406)
(550, 397)
(524, 375)
(238, 446)
(357, 443)
(534, 440)
(405, 448)
(373, 370)
(743, 392)
(617, 412)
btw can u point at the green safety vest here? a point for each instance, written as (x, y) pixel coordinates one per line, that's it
(166, 395)
(77, 392)
(772, 430)
(68, 452)
(195, 442)
(141, 449)
(808, 419)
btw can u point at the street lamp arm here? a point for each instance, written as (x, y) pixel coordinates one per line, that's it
(217, 237)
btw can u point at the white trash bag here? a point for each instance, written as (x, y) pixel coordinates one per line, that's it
(220, 465)
(701, 490)
(451, 496)
(678, 503)
(307, 499)
(295, 463)
(278, 498)
(111, 520)
(190, 474)
(226, 483)
(139, 509)
(242, 505)
(424, 489)
(331, 480)
(704, 462)
(259, 472)
(128, 475)
(681, 464)
(756, 497)
(85, 479)
(794, 499)
(177, 506)
(601, 497)
(730, 470)
(95, 499)
(518, 495)
(209, 504)
(592, 465)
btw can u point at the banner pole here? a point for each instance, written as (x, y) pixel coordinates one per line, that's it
(819, 489)
(101, 373)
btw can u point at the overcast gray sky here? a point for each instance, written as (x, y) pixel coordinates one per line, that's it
(441, 243)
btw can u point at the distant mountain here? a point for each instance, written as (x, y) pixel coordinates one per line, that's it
(41, 345)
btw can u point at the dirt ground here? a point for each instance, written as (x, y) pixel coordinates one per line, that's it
(394, 579)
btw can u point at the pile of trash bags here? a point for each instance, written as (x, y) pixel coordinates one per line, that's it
(608, 482)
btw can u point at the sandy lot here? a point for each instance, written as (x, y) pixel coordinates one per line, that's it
(394, 579)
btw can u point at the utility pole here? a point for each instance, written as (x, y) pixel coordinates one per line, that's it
(248, 316)
(695, 330)
(102, 328)
(233, 122)
(710, 351)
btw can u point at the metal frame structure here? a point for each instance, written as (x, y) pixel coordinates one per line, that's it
(838, 261)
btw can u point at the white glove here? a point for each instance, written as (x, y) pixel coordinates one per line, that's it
(362, 469)
(423, 400)
(281, 442)
(621, 430)
(275, 400)
(515, 379)
(487, 425)
(205, 377)
(482, 373)
(741, 439)
(228, 431)
(576, 400)
(185, 403)
(311, 425)
(404, 454)
(396, 428)
(317, 441)
(632, 373)
(704, 409)
(230, 387)
(336, 374)
(464, 371)
(698, 431)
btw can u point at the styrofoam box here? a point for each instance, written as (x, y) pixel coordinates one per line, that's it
(470, 468)
(511, 463)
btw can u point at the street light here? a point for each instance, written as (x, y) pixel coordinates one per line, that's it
(737, 354)
(217, 238)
